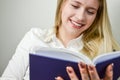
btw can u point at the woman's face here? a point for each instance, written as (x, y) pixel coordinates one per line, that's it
(78, 15)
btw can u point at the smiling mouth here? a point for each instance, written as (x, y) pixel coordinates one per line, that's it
(76, 24)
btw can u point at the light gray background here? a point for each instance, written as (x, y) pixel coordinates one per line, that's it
(18, 16)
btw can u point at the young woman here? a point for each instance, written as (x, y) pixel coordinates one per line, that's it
(89, 19)
(80, 25)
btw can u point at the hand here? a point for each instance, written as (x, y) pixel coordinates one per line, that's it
(88, 72)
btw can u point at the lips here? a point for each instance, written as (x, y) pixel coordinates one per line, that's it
(76, 24)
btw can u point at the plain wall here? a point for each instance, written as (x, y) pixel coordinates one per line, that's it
(18, 16)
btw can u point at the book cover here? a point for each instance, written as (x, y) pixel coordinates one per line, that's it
(46, 64)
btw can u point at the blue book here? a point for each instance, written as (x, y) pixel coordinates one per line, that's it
(48, 63)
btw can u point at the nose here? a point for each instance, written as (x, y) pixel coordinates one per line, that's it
(80, 15)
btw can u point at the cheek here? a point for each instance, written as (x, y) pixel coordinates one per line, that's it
(65, 16)
(91, 20)
(66, 13)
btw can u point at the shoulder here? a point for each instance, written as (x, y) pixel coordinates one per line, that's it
(38, 33)
(36, 37)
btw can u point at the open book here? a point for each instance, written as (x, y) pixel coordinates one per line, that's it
(48, 63)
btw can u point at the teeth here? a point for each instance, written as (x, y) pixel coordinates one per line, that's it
(76, 24)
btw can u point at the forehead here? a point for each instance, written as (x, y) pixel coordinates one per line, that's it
(91, 3)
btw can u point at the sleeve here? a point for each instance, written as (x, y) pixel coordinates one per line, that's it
(17, 66)
(19, 63)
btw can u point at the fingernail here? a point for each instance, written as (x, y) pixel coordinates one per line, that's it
(112, 65)
(69, 69)
(57, 78)
(82, 65)
(90, 67)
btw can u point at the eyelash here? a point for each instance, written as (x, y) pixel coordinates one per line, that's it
(90, 12)
(74, 6)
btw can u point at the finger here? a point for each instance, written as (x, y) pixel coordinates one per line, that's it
(93, 72)
(71, 73)
(109, 72)
(59, 78)
(83, 71)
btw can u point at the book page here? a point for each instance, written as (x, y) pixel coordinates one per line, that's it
(106, 56)
(63, 54)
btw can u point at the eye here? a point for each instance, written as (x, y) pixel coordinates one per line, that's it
(75, 6)
(91, 12)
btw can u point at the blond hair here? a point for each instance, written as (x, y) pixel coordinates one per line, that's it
(98, 38)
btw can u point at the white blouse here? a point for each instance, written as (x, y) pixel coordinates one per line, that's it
(18, 67)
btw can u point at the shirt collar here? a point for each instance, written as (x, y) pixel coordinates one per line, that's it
(76, 43)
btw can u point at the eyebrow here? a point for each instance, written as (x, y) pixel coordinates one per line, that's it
(77, 2)
(88, 7)
(92, 8)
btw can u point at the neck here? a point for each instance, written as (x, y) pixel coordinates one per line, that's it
(65, 37)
